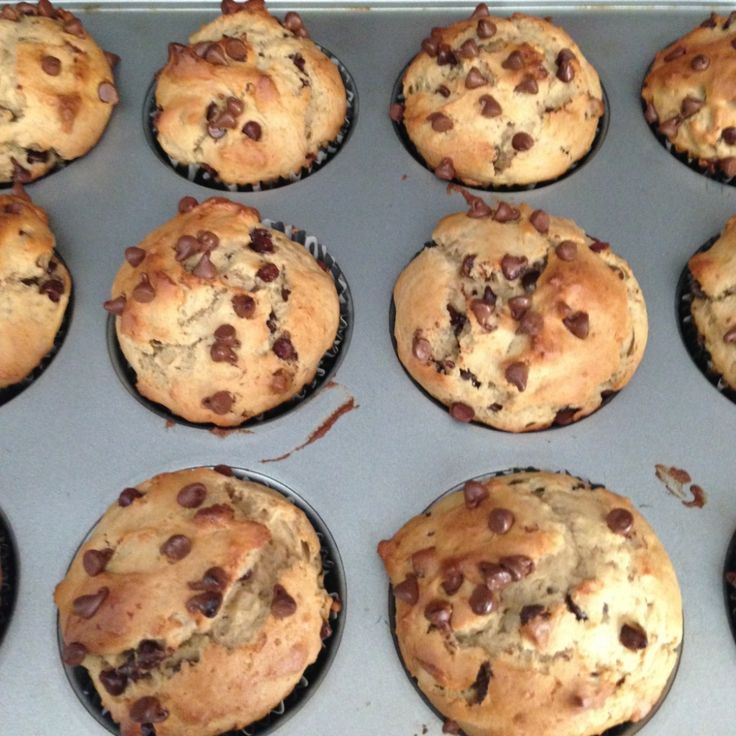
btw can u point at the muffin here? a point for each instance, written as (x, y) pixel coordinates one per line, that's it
(518, 319)
(688, 98)
(35, 287)
(221, 317)
(195, 604)
(497, 101)
(713, 305)
(535, 604)
(59, 90)
(251, 99)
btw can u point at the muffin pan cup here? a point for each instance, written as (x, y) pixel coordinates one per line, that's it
(198, 174)
(624, 729)
(335, 584)
(77, 433)
(327, 367)
(8, 575)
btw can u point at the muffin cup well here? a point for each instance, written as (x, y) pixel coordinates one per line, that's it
(325, 370)
(10, 392)
(689, 332)
(605, 399)
(624, 729)
(729, 584)
(335, 584)
(397, 97)
(203, 175)
(8, 575)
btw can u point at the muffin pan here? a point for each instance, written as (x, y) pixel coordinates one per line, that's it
(76, 434)
(8, 575)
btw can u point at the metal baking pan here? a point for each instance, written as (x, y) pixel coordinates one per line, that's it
(74, 438)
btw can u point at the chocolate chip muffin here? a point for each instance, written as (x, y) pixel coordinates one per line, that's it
(713, 305)
(518, 319)
(58, 90)
(34, 287)
(688, 98)
(221, 317)
(250, 98)
(536, 605)
(500, 101)
(196, 603)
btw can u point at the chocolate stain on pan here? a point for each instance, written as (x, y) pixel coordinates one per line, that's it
(321, 431)
(675, 481)
(223, 432)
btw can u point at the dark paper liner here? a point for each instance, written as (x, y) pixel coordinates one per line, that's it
(8, 575)
(692, 339)
(326, 369)
(335, 584)
(624, 729)
(201, 175)
(397, 96)
(476, 422)
(10, 392)
(729, 589)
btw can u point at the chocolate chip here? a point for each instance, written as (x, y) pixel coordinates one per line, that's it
(475, 79)
(226, 334)
(186, 246)
(441, 90)
(495, 576)
(445, 170)
(294, 23)
(439, 613)
(86, 606)
(578, 323)
(452, 581)
(284, 348)
(519, 305)
(244, 305)
(676, 53)
(529, 612)
(8, 12)
(513, 266)
(451, 727)
(225, 470)
(253, 130)
(478, 208)
(481, 11)
(208, 240)
(481, 601)
(567, 250)
(632, 637)
(528, 86)
(268, 272)
(469, 50)
(482, 311)
(670, 126)
(114, 681)
(573, 607)
(730, 335)
(620, 521)
(176, 547)
(135, 256)
(95, 560)
(513, 61)
(540, 221)
(650, 114)
(489, 107)
(214, 54)
(298, 60)
(474, 494)
(440, 122)
(407, 590)
(192, 495)
(710, 21)
(430, 46)
(727, 166)
(149, 654)
(144, 292)
(599, 246)
(517, 374)
(486, 28)
(565, 416)
(700, 63)
(52, 66)
(445, 55)
(461, 412)
(128, 495)
(690, 105)
(500, 520)
(207, 603)
(115, 306)
(565, 72)
(53, 289)
(467, 265)
(522, 142)
(148, 710)
(214, 578)
(282, 604)
(506, 213)
(74, 653)
(235, 48)
(729, 136)
(205, 269)
(107, 93)
(421, 349)
(215, 132)
(75, 28)
(518, 565)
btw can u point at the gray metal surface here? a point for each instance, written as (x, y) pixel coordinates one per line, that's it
(75, 438)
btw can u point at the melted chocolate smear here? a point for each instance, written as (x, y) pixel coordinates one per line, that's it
(675, 481)
(320, 432)
(480, 686)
